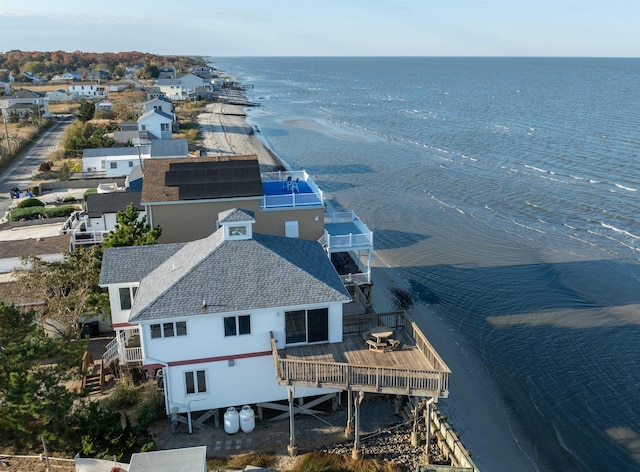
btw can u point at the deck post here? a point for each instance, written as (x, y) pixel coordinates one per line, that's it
(357, 453)
(348, 431)
(292, 449)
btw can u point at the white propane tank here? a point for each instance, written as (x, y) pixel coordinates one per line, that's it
(247, 419)
(231, 421)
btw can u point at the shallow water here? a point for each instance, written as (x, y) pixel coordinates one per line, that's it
(506, 192)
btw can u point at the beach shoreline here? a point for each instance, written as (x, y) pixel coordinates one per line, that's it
(474, 407)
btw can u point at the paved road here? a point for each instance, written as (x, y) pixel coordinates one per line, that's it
(20, 172)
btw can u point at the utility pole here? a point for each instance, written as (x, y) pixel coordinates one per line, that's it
(6, 131)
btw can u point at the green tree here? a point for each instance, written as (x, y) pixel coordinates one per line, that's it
(131, 230)
(33, 368)
(86, 111)
(80, 135)
(68, 289)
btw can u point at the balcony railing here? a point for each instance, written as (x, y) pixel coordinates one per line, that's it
(117, 350)
(345, 231)
(313, 198)
(432, 381)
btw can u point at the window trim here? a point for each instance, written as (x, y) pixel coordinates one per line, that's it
(197, 376)
(306, 312)
(238, 324)
(160, 330)
(131, 295)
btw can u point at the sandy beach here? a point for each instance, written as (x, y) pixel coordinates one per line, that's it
(225, 131)
(474, 408)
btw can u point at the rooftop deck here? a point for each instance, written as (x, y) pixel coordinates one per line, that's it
(415, 368)
(288, 189)
(344, 231)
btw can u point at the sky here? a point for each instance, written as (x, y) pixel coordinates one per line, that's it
(566, 28)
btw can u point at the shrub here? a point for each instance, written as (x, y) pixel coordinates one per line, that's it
(123, 396)
(151, 409)
(33, 213)
(30, 202)
(45, 166)
(89, 191)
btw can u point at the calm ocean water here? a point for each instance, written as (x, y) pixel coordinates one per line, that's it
(507, 191)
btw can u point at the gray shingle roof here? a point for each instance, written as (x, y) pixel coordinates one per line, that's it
(100, 203)
(114, 151)
(236, 215)
(264, 272)
(133, 263)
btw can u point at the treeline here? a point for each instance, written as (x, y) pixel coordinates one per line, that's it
(50, 63)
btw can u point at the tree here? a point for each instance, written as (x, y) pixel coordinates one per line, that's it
(79, 136)
(68, 289)
(131, 230)
(86, 111)
(33, 368)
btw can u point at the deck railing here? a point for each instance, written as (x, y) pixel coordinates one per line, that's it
(80, 238)
(358, 279)
(292, 200)
(370, 378)
(361, 239)
(117, 349)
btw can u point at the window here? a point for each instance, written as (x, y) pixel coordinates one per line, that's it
(130, 163)
(237, 325)
(164, 126)
(310, 326)
(237, 230)
(195, 381)
(113, 165)
(126, 297)
(168, 330)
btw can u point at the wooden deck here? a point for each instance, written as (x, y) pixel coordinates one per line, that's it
(414, 368)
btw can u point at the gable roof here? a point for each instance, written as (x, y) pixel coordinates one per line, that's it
(100, 203)
(169, 148)
(131, 264)
(237, 275)
(196, 178)
(157, 112)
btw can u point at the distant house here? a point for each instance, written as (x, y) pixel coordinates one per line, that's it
(104, 105)
(157, 123)
(192, 81)
(59, 95)
(23, 101)
(86, 90)
(167, 72)
(67, 76)
(99, 75)
(172, 89)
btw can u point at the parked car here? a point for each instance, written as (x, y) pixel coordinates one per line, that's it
(15, 192)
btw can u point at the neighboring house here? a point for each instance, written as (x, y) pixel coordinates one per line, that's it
(190, 82)
(93, 224)
(184, 197)
(157, 123)
(172, 89)
(112, 162)
(22, 101)
(118, 161)
(162, 104)
(59, 95)
(86, 90)
(204, 310)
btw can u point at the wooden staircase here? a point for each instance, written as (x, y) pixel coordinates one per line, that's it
(93, 374)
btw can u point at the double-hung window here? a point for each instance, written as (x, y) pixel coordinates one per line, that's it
(195, 381)
(307, 326)
(237, 325)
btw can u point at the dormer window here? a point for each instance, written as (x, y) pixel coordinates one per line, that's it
(237, 230)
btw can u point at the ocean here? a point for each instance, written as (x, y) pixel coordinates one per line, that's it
(505, 194)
